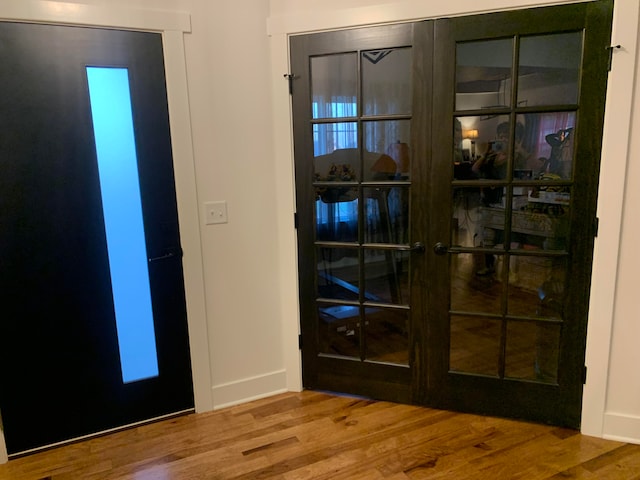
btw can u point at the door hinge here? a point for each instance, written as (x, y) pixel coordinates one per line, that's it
(290, 77)
(596, 226)
(295, 220)
(300, 341)
(584, 375)
(611, 48)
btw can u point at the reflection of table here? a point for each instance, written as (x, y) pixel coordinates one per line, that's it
(552, 229)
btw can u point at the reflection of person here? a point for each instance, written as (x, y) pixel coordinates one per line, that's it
(457, 141)
(560, 158)
(493, 165)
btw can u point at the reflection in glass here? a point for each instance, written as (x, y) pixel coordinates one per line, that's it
(334, 86)
(387, 335)
(336, 214)
(475, 345)
(483, 74)
(386, 81)
(339, 330)
(549, 69)
(338, 273)
(540, 217)
(532, 351)
(387, 154)
(475, 287)
(549, 138)
(386, 275)
(335, 144)
(466, 225)
(386, 215)
(536, 286)
(542, 146)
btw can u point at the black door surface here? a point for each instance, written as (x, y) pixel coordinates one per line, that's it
(93, 331)
(446, 176)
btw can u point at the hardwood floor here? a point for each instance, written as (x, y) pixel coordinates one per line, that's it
(312, 435)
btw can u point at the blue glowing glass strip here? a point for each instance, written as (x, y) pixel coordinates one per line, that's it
(119, 183)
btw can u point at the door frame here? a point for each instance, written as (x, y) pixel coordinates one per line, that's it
(172, 26)
(615, 151)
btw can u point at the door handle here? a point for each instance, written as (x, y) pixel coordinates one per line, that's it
(417, 247)
(175, 253)
(440, 248)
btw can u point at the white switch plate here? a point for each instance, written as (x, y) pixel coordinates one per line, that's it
(215, 212)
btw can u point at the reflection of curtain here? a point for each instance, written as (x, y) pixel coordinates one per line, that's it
(550, 123)
(328, 137)
(331, 215)
(531, 135)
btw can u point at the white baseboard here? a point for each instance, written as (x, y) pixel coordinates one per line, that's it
(622, 428)
(248, 389)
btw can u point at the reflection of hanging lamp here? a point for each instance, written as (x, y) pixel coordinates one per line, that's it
(473, 136)
(400, 153)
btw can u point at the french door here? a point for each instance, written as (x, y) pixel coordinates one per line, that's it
(93, 332)
(446, 176)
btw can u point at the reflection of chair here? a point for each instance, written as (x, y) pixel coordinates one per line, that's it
(342, 166)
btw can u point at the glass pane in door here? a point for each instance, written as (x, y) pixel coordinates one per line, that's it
(334, 86)
(386, 81)
(387, 337)
(532, 351)
(483, 74)
(386, 154)
(549, 69)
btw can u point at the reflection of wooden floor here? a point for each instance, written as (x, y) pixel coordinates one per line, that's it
(531, 349)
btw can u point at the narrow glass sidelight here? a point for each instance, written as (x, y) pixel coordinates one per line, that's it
(122, 207)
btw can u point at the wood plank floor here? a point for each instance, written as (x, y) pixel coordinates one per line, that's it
(312, 435)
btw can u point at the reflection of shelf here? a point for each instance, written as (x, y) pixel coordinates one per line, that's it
(555, 198)
(529, 223)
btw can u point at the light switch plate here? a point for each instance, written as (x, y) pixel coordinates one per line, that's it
(215, 212)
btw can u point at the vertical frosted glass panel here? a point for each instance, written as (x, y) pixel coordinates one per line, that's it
(122, 207)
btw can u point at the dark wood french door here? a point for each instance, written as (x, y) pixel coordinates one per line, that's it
(93, 331)
(446, 176)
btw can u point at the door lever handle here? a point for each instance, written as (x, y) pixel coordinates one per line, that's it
(440, 248)
(417, 247)
(175, 253)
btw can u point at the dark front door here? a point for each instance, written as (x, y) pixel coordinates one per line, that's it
(93, 331)
(478, 137)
